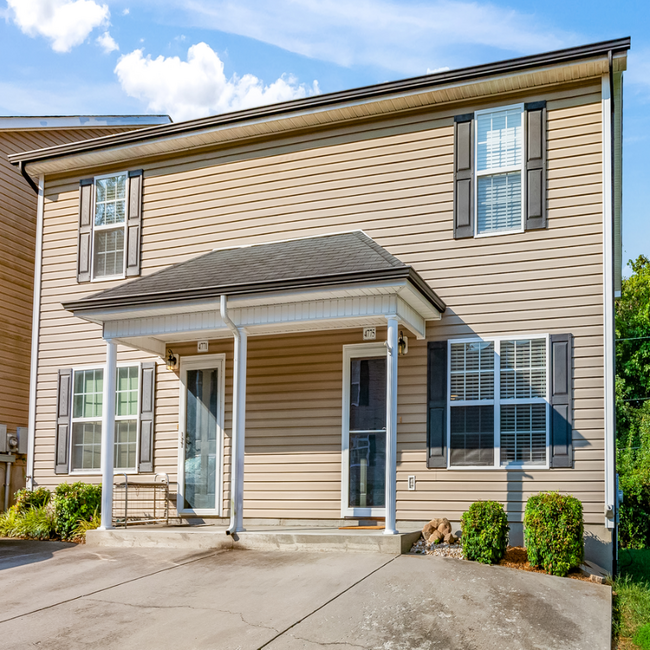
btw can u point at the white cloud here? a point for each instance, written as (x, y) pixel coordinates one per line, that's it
(444, 68)
(399, 35)
(198, 86)
(107, 43)
(66, 23)
(126, 12)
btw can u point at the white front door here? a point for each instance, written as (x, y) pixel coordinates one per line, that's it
(201, 435)
(364, 431)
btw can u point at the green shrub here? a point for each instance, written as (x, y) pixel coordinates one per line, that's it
(633, 465)
(27, 499)
(553, 532)
(36, 523)
(33, 523)
(8, 522)
(484, 532)
(84, 525)
(73, 503)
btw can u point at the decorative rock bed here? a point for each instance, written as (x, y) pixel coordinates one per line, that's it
(437, 539)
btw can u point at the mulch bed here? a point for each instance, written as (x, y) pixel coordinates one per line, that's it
(517, 558)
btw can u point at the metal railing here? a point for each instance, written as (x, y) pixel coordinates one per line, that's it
(139, 502)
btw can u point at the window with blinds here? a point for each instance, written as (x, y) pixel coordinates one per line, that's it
(109, 225)
(499, 170)
(498, 402)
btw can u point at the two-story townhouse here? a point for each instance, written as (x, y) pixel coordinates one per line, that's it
(382, 303)
(18, 207)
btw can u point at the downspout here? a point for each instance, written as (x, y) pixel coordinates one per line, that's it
(27, 177)
(612, 225)
(608, 306)
(36, 320)
(235, 515)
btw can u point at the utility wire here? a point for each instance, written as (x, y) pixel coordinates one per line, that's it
(634, 338)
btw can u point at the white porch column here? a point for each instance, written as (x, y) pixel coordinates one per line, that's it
(391, 426)
(108, 435)
(238, 432)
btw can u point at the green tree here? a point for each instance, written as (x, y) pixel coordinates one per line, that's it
(633, 403)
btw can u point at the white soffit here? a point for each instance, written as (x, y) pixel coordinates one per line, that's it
(498, 84)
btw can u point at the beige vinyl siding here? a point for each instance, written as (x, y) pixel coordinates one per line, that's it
(393, 179)
(17, 244)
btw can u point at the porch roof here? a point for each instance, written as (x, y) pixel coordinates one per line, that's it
(341, 258)
(323, 282)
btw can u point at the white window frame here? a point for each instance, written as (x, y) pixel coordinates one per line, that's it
(121, 418)
(355, 351)
(202, 362)
(95, 228)
(102, 366)
(501, 170)
(497, 401)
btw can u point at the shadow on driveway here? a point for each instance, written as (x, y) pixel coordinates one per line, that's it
(17, 552)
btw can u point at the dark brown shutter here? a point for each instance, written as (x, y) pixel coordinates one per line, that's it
(84, 249)
(134, 223)
(437, 405)
(63, 404)
(463, 176)
(147, 406)
(535, 202)
(561, 401)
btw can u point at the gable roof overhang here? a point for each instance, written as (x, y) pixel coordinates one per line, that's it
(344, 280)
(484, 81)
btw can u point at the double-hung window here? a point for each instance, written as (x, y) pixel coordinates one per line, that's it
(498, 402)
(499, 170)
(109, 226)
(87, 407)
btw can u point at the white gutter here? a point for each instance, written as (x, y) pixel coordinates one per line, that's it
(608, 309)
(238, 423)
(36, 320)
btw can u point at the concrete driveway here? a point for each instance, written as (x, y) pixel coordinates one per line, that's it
(58, 596)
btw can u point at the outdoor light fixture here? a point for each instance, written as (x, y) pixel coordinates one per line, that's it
(402, 344)
(172, 360)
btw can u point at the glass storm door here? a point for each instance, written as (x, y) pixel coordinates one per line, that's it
(367, 435)
(201, 440)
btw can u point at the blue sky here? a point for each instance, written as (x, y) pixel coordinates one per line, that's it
(196, 57)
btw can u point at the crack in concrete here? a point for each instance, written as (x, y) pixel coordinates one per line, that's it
(331, 600)
(325, 644)
(190, 607)
(119, 584)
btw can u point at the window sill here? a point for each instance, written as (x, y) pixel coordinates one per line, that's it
(108, 278)
(98, 472)
(500, 232)
(490, 468)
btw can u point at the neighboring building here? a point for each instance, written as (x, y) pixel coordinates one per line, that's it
(278, 259)
(18, 206)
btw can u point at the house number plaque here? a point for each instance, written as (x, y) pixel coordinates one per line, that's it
(369, 333)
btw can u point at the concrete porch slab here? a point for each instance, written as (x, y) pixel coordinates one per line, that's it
(257, 538)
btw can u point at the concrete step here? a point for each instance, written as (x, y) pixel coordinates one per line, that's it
(213, 537)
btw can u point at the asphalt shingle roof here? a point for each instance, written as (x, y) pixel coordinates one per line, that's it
(313, 261)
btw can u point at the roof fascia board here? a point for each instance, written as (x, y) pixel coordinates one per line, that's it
(369, 94)
(55, 160)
